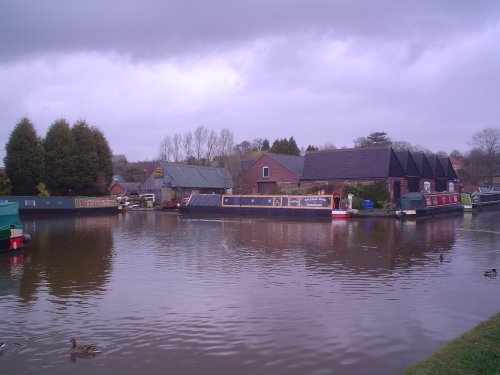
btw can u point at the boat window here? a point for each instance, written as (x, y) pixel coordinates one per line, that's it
(265, 171)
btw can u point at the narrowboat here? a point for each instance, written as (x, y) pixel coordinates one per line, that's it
(274, 205)
(428, 204)
(481, 198)
(48, 205)
(11, 229)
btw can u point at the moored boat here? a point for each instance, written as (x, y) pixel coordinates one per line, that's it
(275, 205)
(429, 204)
(11, 229)
(79, 204)
(481, 198)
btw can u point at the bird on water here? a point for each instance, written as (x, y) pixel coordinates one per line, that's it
(2, 345)
(491, 273)
(83, 349)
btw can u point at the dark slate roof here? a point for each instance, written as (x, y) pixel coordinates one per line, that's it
(354, 163)
(193, 176)
(437, 168)
(130, 187)
(423, 165)
(448, 168)
(293, 163)
(409, 164)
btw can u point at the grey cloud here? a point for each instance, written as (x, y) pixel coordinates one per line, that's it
(156, 28)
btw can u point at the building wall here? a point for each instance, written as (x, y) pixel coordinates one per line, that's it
(116, 189)
(248, 181)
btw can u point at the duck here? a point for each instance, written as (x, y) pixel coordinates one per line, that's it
(83, 349)
(2, 345)
(491, 273)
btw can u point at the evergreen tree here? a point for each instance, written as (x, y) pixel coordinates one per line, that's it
(105, 162)
(60, 158)
(24, 160)
(265, 145)
(285, 146)
(311, 148)
(293, 149)
(5, 188)
(86, 161)
(378, 139)
(373, 139)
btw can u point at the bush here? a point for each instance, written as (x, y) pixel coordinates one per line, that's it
(376, 192)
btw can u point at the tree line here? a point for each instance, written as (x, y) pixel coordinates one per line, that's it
(70, 160)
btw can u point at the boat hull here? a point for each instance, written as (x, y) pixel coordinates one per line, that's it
(60, 205)
(414, 205)
(260, 205)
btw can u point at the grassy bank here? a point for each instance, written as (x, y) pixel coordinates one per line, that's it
(475, 352)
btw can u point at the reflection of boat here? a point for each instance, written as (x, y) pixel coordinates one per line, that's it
(34, 204)
(422, 204)
(279, 205)
(11, 229)
(482, 197)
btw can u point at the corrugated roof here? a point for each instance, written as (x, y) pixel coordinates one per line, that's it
(193, 176)
(355, 163)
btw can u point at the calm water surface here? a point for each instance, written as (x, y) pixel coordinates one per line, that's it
(161, 292)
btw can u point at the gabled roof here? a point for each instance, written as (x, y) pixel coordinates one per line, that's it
(448, 168)
(423, 165)
(193, 176)
(118, 178)
(353, 163)
(131, 187)
(408, 163)
(437, 168)
(293, 163)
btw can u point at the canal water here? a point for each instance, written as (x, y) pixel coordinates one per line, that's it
(161, 292)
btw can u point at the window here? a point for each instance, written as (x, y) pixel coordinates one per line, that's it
(265, 172)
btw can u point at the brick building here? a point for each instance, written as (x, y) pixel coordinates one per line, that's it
(336, 168)
(269, 173)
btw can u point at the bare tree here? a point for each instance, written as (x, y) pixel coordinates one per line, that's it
(257, 144)
(200, 140)
(166, 149)
(328, 146)
(212, 142)
(226, 143)
(176, 147)
(487, 141)
(187, 143)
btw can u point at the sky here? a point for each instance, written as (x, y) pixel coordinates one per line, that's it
(322, 71)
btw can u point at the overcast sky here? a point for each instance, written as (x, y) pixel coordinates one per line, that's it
(423, 71)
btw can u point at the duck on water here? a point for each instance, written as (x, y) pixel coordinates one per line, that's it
(83, 349)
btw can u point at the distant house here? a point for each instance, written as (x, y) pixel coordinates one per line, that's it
(336, 168)
(170, 182)
(120, 187)
(269, 173)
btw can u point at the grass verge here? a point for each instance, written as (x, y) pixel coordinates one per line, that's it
(475, 352)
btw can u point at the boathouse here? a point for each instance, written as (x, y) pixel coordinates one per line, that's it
(170, 182)
(120, 187)
(269, 173)
(337, 168)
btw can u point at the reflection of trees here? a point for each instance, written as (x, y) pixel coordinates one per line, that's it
(374, 246)
(72, 254)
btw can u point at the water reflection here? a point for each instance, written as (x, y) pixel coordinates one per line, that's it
(164, 292)
(71, 255)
